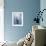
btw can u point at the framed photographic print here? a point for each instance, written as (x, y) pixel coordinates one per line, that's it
(17, 18)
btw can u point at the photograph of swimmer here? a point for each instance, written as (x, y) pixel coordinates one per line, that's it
(17, 18)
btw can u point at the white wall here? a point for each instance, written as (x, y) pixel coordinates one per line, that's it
(1, 25)
(1, 20)
(43, 6)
